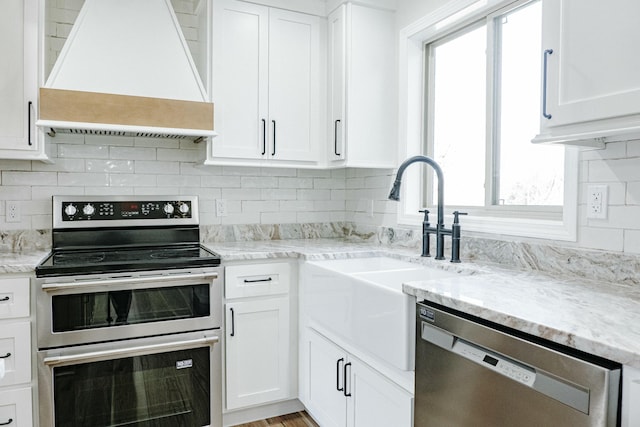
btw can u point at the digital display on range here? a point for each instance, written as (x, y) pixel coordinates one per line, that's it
(128, 209)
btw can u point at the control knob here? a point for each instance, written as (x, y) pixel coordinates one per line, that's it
(184, 208)
(168, 208)
(88, 210)
(70, 210)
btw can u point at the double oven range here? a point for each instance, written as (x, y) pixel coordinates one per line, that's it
(129, 315)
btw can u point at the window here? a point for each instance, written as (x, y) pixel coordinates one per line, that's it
(470, 99)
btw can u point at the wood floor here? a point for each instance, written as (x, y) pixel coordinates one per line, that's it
(298, 419)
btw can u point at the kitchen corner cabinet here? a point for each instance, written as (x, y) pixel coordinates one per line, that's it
(342, 391)
(266, 86)
(592, 88)
(258, 341)
(362, 98)
(19, 137)
(15, 352)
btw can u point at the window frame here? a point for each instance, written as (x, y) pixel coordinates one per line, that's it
(547, 222)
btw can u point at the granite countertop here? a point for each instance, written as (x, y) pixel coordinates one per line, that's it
(600, 318)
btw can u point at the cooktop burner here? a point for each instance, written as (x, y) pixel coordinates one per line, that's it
(73, 262)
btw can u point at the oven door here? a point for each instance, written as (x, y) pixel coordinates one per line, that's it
(90, 309)
(173, 380)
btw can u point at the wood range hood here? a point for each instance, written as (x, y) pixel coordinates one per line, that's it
(126, 70)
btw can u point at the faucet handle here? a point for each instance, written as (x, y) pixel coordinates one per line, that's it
(426, 214)
(455, 216)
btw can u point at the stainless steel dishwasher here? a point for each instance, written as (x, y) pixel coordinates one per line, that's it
(471, 372)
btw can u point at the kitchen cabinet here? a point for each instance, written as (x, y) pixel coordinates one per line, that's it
(15, 352)
(19, 137)
(362, 100)
(267, 75)
(630, 397)
(258, 342)
(340, 390)
(592, 91)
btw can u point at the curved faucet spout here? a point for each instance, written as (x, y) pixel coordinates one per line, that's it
(395, 191)
(395, 195)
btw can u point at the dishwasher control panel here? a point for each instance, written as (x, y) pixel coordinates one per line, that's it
(495, 362)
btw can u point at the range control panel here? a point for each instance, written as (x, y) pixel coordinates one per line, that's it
(117, 210)
(123, 210)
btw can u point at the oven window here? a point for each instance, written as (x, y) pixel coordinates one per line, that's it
(160, 390)
(127, 307)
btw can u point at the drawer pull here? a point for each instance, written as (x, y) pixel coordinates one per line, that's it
(7, 423)
(3, 299)
(268, 279)
(5, 356)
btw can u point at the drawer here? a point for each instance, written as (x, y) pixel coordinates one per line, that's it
(253, 280)
(14, 297)
(15, 353)
(15, 405)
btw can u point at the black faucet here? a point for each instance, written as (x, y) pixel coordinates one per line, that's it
(439, 230)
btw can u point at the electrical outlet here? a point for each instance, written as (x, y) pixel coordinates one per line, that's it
(597, 201)
(13, 212)
(221, 207)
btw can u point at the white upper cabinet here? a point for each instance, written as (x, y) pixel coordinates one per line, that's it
(19, 138)
(362, 93)
(592, 90)
(267, 76)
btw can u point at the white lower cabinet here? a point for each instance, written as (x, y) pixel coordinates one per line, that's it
(15, 352)
(257, 350)
(340, 390)
(630, 397)
(260, 344)
(15, 408)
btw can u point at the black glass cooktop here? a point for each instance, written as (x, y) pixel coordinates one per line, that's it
(112, 260)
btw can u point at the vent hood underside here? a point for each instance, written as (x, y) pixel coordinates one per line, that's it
(126, 70)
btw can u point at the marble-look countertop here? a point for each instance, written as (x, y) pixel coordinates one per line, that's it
(600, 318)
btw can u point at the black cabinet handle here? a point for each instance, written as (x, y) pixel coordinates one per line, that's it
(268, 279)
(546, 115)
(4, 299)
(338, 362)
(346, 394)
(233, 323)
(335, 137)
(5, 356)
(264, 137)
(7, 423)
(29, 104)
(274, 137)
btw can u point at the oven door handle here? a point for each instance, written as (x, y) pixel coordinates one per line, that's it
(51, 287)
(129, 351)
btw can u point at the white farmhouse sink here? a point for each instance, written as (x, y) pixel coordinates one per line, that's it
(361, 301)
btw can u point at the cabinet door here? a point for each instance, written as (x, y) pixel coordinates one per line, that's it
(15, 353)
(593, 70)
(257, 352)
(325, 363)
(240, 79)
(18, 78)
(15, 408)
(337, 88)
(375, 401)
(630, 396)
(294, 86)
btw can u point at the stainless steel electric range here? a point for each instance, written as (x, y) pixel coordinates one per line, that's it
(129, 315)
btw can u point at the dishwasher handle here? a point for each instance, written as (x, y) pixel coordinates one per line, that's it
(556, 388)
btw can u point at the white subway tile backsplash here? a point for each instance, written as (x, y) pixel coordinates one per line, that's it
(241, 194)
(295, 183)
(77, 151)
(633, 193)
(296, 205)
(132, 180)
(279, 194)
(15, 192)
(61, 165)
(632, 241)
(83, 179)
(188, 181)
(314, 194)
(601, 238)
(330, 183)
(109, 166)
(614, 170)
(260, 206)
(158, 167)
(278, 217)
(258, 182)
(133, 153)
(10, 178)
(220, 181)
